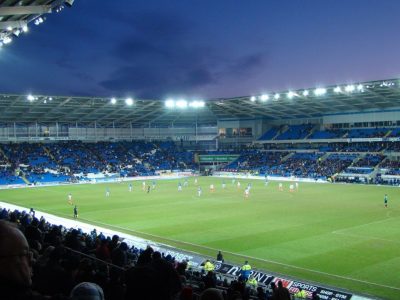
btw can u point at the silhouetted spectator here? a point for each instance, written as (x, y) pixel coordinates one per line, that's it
(220, 257)
(283, 292)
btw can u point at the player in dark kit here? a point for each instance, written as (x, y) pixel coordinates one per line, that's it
(75, 212)
(148, 189)
(385, 200)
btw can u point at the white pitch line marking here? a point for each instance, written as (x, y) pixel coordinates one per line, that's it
(241, 255)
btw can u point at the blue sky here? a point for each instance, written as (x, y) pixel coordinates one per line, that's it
(157, 49)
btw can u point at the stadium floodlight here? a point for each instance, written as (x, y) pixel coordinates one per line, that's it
(264, 97)
(30, 98)
(7, 40)
(197, 104)
(319, 91)
(181, 104)
(51, 99)
(305, 93)
(349, 88)
(129, 101)
(277, 96)
(9, 28)
(337, 89)
(25, 28)
(360, 87)
(113, 101)
(252, 99)
(291, 94)
(39, 21)
(170, 103)
(60, 8)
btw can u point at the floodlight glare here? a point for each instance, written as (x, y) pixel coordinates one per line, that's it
(30, 98)
(252, 98)
(196, 104)
(264, 97)
(337, 89)
(7, 40)
(181, 104)
(38, 21)
(9, 28)
(290, 95)
(25, 28)
(51, 99)
(349, 88)
(113, 100)
(170, 103)
(129, 101)
(305, 93)
(360, 87)
(319, 91)
(277, 96)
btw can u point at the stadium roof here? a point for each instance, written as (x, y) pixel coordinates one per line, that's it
(368, 96)
(15, 15)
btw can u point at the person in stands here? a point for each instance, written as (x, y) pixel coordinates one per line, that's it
(15, 263)
(220, 257)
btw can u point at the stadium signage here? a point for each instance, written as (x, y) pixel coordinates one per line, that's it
(217, 158)
(291, 285)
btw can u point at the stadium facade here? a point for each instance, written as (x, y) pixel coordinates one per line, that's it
(344, 132)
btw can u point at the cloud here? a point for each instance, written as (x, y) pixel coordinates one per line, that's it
(150, 83)
(248, 63)
(160, 57)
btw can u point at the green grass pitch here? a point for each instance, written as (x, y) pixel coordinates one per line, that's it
(340, 235)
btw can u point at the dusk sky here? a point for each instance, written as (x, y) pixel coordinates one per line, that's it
(156, 49)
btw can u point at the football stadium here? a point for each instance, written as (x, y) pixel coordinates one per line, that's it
(251, 197)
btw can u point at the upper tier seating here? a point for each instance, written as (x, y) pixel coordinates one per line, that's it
(327, 134)
(270, 134)
(296, 132)
(367, 132)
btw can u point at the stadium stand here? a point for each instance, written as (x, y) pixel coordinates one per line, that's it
(70, 161)
(296, 132)
(64, 258)
(320, 149)
(327, 134)
(270, 134)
